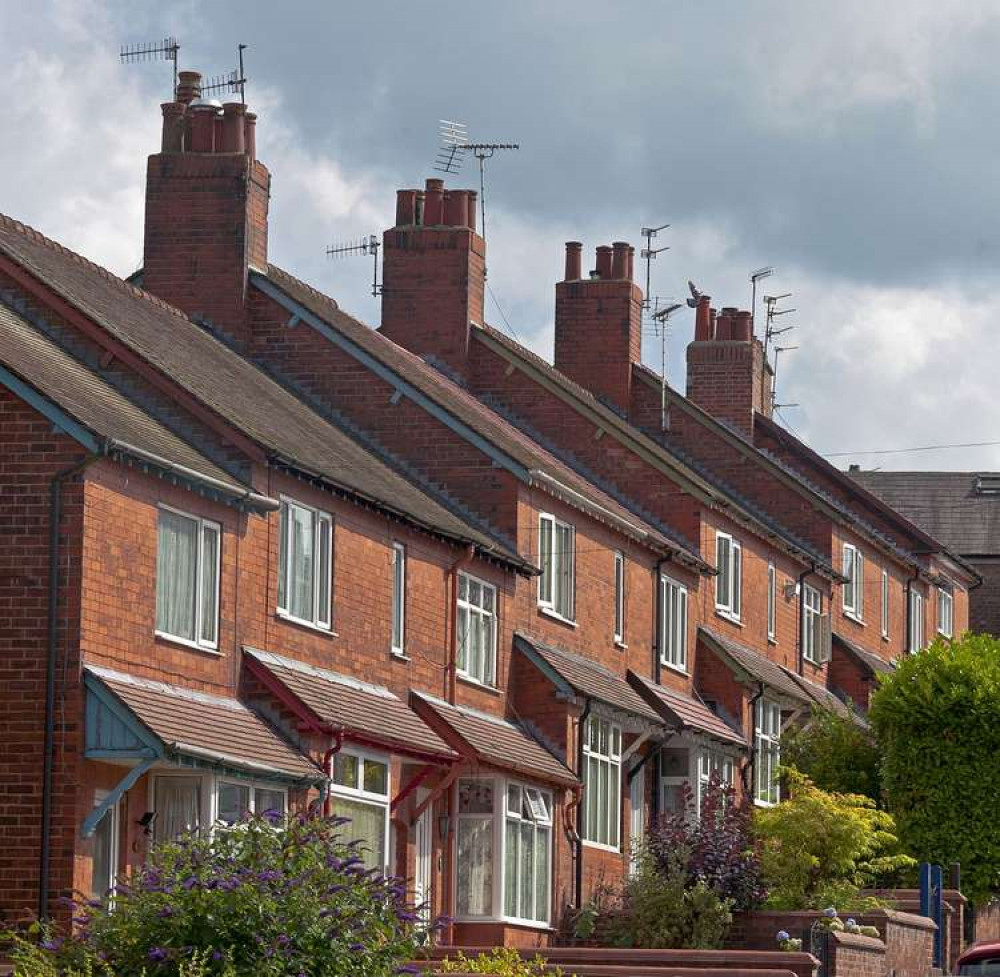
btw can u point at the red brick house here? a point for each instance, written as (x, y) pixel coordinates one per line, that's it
(256, 554)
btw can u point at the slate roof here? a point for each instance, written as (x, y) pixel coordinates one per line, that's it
(92, 401)
(493, 741)
(946, 505)
(756, 666)
(584, 677)
(207, 727)
(232, 386)
(825, 699)
(367, 713)
(868, 661)
(684, 712)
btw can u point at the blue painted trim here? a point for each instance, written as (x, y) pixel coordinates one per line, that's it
(46, 407)
(390, 376)
(114, 705)
(544, 667)
(142, 753)
(92, 820)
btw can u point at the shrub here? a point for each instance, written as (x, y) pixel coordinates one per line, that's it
(936, 721)
(835, 753)
(269, 897)
(500, 961)
(819, 847)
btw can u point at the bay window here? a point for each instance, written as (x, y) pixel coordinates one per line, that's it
(853, 590)
(767, 752)
(360, 791)
(305, 564)
(557, 555)
(602, 782)
(236, 800)
(187, 578)
(527, 853)
(712, 766)
(477, 629)
(729, 579)
(946, 613)
(177, 803)
(673, 624)
(475, 832)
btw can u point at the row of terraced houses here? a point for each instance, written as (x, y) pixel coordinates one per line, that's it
(500, 612)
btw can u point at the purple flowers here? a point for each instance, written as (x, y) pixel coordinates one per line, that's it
(158, 954)
(783, 935)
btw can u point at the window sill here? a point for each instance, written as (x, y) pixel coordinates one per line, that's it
(772, 640)
(597, 846)
(556, 616)
(731, 618)
(757, 802)
(621, 645)
(504, 921)
(184, 643)
(308, 625)
(400, 656)
(476, 684)
(674, 668)
(886, 638)
(855, 618)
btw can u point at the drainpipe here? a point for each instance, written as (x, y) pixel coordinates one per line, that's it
(328, 757)
(55, 517)
(658, 652)
(581, 728)
(800, 586)
(749, 769)
(462, 561)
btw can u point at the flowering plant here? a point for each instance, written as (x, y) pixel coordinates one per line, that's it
(788, 943)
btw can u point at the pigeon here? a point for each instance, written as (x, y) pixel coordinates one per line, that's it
(695, 295)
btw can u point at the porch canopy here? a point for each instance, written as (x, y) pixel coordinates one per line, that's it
(141, 722)
(868, 662)
(685, 713)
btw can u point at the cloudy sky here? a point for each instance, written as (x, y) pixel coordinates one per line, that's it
(851, 145)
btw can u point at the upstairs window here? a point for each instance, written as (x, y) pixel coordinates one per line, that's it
(729, 582)
(767, 752)
(602, 752)
(946, 613)
(557, 553)
(915, 625)
(187, 579)
(305, 564)
(477, 629)
(814, 632)
(885, 603)
(854, 590)
(772, 601)
(673, 624)
(398, 598)
(620, 598)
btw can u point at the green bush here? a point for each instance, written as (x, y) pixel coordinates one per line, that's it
(500, 961)
(268, 898)
(835, 753)
(819, 848)
(936, 719)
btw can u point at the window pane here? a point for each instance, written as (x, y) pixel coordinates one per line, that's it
(376, 777)
(177, 804)
(367, 825)
(545, 559)
(475, 866)
(475, 797)
(324, 532)
(209, 584)
(345, 769)
(234, 802)
(176, 572)
(542, 875)
(722, 564)
(511, 860)
(104, 865)
(463, 639)
(526, 870)
(265, 800)
(283, 569)
(737, 600)
(398, 595)
(301, 563)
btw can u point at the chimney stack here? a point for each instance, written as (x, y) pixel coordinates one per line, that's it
(599, 323)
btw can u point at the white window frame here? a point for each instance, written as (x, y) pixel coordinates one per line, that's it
(729, 581)
(673, 625)
(619, 598)
(488, 620)
(558, 563)
(812, 624)
(204, 526)
(701, 763)
(710, 762)
(772, 603)
(538, 799)
(945, 610)
(112, 821)
(915, 622)
(767, 752)
(885, 604)
(606, 822)
(358, 793)
(397, 622)
(252, 787)
(853, 592)
(322, 583)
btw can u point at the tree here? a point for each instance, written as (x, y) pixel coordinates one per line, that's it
(937, 720)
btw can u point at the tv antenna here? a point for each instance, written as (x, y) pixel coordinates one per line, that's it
(648, 253)
(774, 377)
(366, 245)
(165, 50)
(773, 312)
(756, 276)
(234, 81)
(662, 319)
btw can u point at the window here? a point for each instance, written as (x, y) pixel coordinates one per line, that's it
(360, 792)
(104, 865)
(305, 564)
(527, 854)
(177, 805)
(813, 644)
(772, 601)
(946, 613)
(474, 841)
(916, 622)
(675, 775)
(729, 582)
(767, 752)
(854, 590)
(398, 598)
(477, 629)
(712, 764)
(236, 800)
(885, 603)
(673, 624)
(557, 552)
(187, 579)
(602, 750)
(620, 598)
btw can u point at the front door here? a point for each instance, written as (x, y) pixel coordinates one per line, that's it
(424, 873)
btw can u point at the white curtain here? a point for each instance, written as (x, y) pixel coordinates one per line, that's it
(475, 866)
(177, 806)
(176, 571)
(367, 825)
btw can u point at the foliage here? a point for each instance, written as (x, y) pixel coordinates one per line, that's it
(936, 721)
(819, 847)
(269, 897)
(503, 962)
(788, 943)
(835, 753)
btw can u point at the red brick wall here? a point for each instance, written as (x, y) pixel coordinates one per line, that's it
(724, 377)
(853, 955)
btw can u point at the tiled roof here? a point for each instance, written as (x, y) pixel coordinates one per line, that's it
(685, 712)
(367, 713)
(493, 741)
(824, 698)
(754, 665)
(462, 405)
(946, 505)
(207, 727)
(92, 401)
(585, 677)
(866, 659)
(231, 385)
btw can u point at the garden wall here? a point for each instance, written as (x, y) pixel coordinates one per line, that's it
(988, 922)
(953, 922)
(853, 955)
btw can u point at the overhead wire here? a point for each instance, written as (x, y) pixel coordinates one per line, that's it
(904, 451)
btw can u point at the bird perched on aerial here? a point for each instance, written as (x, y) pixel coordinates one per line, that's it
(695, 295)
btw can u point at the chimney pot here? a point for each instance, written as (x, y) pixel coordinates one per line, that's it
(743, 326)
(619, 259)
(603, 261)
(188, 86)
(203, 128)
(233, 129)
(173, 127)
(472, 199)
(456, 208)
(406, 207)
(630, 270)
(250, 124)
(703, 330)
(434, 203)
(574, 252)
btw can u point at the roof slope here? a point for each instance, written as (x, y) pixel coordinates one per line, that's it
(231, 385)
(946, 505)
(685, 712)
(869, 662)
(754, 665)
